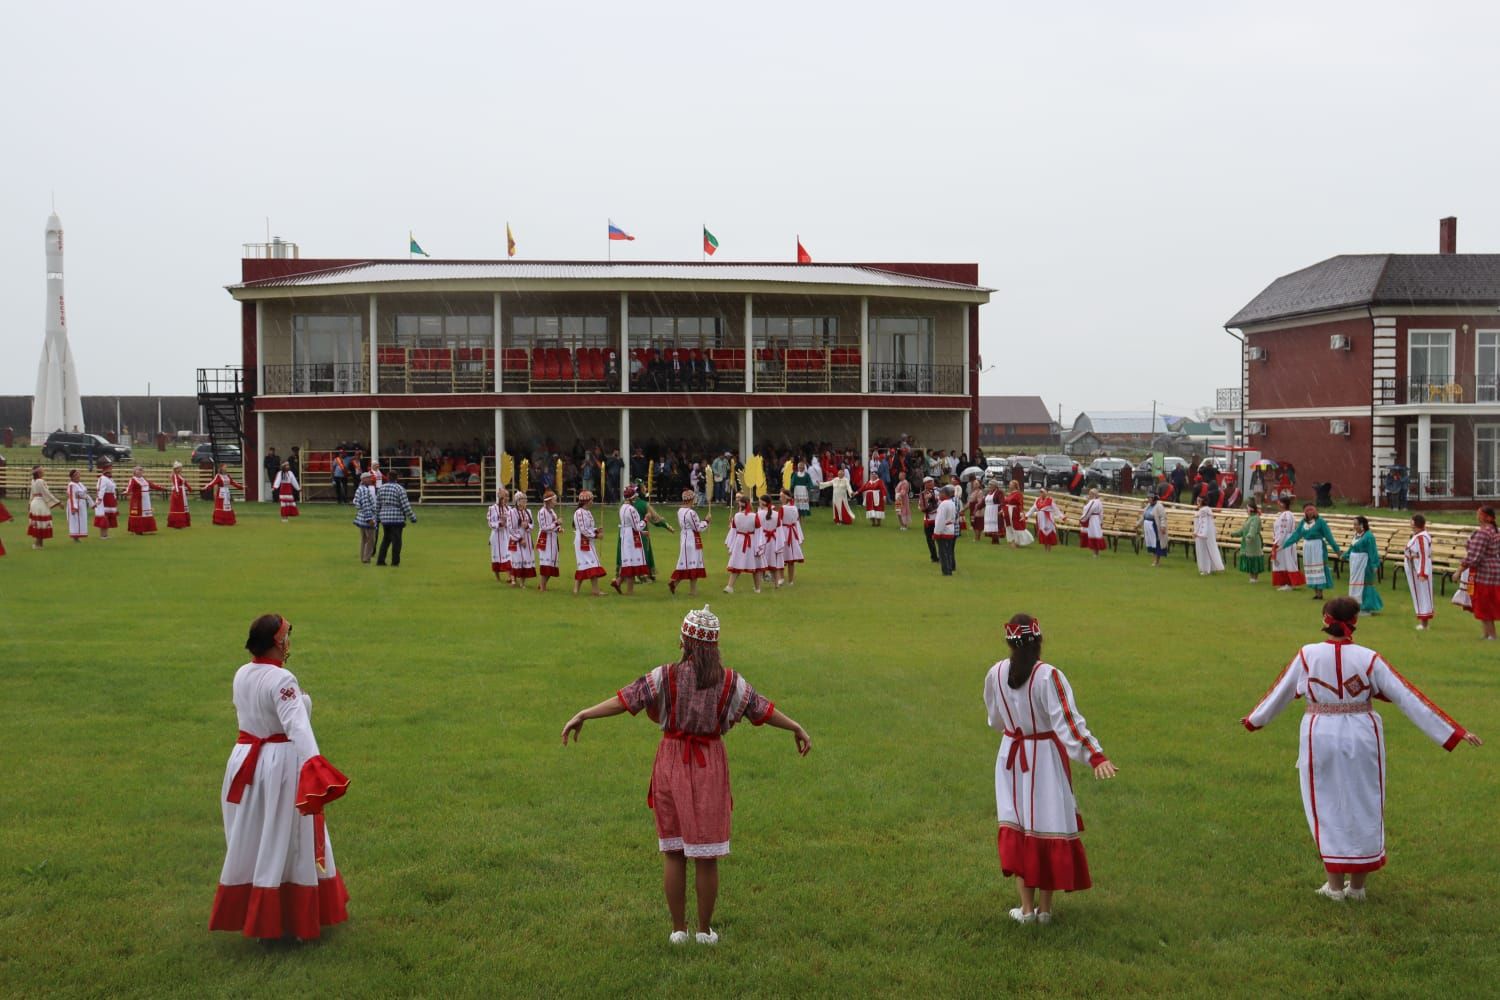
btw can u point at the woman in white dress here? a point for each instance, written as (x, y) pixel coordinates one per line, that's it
(689, 545)
(548, 545)
(1341, 748)
(586, 545)
(1419, 570)
(279, 879)
(285, 488)
(1286, 573)
(499, 536)
(743, 537)
(42, 504)
(843, 492)
(791, 537)
(79, 502)
(993, 505)
(1091, 524)
(632, 547)
(1031, 702)
(772, 558)
(1206, 539)
(1153, 522)
(522, 555)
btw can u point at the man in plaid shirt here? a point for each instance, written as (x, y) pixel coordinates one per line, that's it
(393, 510)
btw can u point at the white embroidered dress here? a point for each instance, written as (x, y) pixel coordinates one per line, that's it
(1419, 574)
(1341, 744)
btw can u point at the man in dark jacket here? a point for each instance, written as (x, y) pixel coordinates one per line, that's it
(273, 466)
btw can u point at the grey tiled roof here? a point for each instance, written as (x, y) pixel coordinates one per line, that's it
(1394, 279)
(1013, 410)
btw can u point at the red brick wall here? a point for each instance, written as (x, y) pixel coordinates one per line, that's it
(1301, 370)
(1320, 456)
(1463, 340)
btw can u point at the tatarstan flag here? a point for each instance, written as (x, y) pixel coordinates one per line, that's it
(710, 242)
(803, 257)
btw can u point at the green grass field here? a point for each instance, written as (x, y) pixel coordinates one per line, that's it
(484, 859)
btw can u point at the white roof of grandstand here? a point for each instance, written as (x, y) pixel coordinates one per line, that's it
(378, 272)
(1120, 422)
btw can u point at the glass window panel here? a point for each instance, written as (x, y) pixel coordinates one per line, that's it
(481, 327)
(777, 326)
(596, 326)
(640, 326)
(572, 327)
(758, 327)
(687, 327)
(661, 327)
(456, 327)
(546, 328)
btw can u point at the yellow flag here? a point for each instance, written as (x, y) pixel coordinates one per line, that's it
(510, 242)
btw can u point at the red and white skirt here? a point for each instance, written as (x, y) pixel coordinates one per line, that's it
(690, 796)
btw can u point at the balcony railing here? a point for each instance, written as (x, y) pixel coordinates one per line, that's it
(943, 380)
(1427, 389)
(437, 370)
(1434, 486)
(314, 380)
(1227, 400)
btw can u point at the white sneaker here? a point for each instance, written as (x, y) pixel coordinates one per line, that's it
(1329, 892)
(1022, 918)
(1355, 894)
(679, 937)
(728, 590)
(1043, 917)
(711, 937)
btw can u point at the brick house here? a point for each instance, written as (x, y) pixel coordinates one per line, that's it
(1362, 361)
(1014, 420)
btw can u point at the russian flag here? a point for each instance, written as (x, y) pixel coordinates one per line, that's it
(616, 233)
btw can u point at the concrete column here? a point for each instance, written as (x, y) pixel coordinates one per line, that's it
(625, 449)
(260, 349)
(253, 466)
(968, 448)
(1424, 452)
(964, 310)
(864, 344)
(625, 358)
(499, 360)
(374, 351)
(375, 435)
(864, 437)
(749, 345)
(747, 436)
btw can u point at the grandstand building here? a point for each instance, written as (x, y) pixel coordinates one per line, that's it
(727, 354)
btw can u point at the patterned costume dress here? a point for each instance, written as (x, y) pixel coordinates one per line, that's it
(178, 514)
(547, 544)
(689, 545)
(690, 780)
(1039, 821)
(586, 545)
(1364, 568)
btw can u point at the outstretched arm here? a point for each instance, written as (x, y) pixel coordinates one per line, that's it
(603, 710)
(780, 721)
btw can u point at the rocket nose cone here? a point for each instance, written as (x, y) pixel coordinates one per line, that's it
(53, 222)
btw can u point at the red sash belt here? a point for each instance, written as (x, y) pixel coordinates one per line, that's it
(697, 540)
(246, 774)
(1018, 747)
(692, 745)
(585, 546)
(745, 545)
(793, 533)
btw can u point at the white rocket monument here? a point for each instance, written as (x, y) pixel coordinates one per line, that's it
(57, 405)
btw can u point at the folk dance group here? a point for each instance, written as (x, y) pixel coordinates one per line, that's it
(78, 500)
(279, 878)
(764, 544)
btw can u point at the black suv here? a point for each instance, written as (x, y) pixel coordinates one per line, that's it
(61, 444)
(229, 454)
(1104, 474)
(1050, 471)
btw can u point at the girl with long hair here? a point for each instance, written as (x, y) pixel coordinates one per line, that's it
(695, 701)
(1031, 702)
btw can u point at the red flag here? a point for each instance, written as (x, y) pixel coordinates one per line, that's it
(803, 257)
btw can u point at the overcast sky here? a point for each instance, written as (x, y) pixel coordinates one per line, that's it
(1126, 176)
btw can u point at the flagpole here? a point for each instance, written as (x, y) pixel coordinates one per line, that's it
(703, 245)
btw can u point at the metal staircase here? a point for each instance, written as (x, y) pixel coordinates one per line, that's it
(221, 394)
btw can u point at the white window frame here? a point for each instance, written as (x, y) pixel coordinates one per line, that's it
(1495, 480)
(1411, 453)
(1410, 347)
(1494, 393)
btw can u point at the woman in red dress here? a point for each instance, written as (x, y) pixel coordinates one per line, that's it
(177, 507)
(695, 701)
(1482, 560)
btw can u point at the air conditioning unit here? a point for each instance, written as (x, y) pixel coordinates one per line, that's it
(1256, 427)
(1338, 427)
(1339, 342)
(1256, 353)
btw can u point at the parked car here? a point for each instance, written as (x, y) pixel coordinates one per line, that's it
(204, 454)
(1051, 471)
(1104, 473)
(63, 444)
(1144, 473)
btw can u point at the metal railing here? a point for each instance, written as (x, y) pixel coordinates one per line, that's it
(943, 380)
(221, 380)
(1227, 400)
(1432, 487)
(1430, 389)
(313, 380)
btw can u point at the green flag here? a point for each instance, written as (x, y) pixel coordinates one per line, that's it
(414, 246)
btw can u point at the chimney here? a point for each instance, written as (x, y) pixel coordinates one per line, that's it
(1448, 235)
